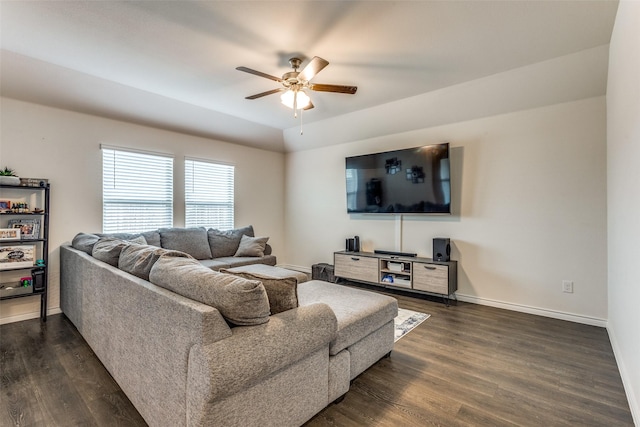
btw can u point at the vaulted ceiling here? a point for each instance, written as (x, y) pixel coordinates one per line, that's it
(171, 64)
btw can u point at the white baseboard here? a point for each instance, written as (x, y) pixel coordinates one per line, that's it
(577, 318)
(28, 316)
(544, 312)
(634, 403)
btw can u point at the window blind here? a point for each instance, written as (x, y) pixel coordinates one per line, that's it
(137, 191)
(209, 194)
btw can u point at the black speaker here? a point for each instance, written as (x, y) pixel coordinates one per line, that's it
(37, 279)
(441, 249)
(350, 245)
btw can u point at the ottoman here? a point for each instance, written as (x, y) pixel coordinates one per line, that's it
(365, 329)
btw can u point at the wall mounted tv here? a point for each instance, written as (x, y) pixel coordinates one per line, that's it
(409, 181)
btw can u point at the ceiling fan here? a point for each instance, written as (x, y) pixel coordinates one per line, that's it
(295, 82)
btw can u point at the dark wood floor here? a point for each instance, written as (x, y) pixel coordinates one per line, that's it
(467, 365)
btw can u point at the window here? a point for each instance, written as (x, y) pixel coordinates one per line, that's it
(208, 194)
(137, 191)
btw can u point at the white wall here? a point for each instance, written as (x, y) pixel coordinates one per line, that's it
(529, 192)
(623, 177)
(550, 82)
(64, 147)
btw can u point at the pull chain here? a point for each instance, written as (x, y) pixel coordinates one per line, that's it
(300, 122)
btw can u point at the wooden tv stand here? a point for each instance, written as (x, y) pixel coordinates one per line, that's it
(420, 275)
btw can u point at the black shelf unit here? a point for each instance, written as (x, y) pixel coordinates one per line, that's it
(41, 246)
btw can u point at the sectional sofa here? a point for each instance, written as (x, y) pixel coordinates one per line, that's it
(191, 346)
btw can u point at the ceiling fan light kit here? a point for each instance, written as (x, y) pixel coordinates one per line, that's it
(295, 99)
(294, 83)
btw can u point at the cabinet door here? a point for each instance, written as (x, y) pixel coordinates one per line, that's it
(431, 278)
(356, 267)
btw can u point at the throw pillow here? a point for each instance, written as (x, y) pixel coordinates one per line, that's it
(251, 246)
(282, 292)
(190, 240)
(140, 240)
(84, 242)
(138, 259)
(240, 301)
(225, 243)
(107, 249)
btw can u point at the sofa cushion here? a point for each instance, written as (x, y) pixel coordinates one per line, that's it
(140, 240)
(240, 301)
(190, 240)
(270, 271)
(251, 246)
(84, 242)
(107, 249)
(151, 237)
(237, 261)
(214, 264)
(225, 243)
(138, 259)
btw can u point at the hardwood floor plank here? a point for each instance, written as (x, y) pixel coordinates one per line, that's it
(525, 370)
(16, 389)
(467, 365)
(116, 408)
(476, 417)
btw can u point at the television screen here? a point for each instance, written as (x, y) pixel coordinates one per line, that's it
(414, 180)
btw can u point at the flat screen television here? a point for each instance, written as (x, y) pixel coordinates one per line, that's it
(409, 181)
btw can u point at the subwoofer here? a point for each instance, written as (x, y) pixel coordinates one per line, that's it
(441, 249)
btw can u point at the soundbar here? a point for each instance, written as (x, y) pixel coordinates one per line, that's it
(407, 254)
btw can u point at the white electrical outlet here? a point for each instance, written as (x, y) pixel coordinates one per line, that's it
(567, 286)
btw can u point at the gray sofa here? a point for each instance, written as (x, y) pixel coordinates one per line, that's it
(183, 362)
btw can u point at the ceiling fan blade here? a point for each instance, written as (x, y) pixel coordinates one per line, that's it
(259, 73)
(333, 88)
(313, 67)
(269, 92)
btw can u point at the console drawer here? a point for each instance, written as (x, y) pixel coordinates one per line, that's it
(431, 278)
(356, 267)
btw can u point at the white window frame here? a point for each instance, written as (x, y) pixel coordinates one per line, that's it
(209, 194)
(137, 190)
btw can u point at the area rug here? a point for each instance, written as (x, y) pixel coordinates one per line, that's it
(407, 320)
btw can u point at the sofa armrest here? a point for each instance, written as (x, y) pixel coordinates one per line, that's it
(254, 352)
(141, 332)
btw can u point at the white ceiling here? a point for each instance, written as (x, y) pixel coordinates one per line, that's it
(172, 64)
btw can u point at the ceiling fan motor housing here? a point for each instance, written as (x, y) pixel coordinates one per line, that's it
(295, 63)
(290, 78)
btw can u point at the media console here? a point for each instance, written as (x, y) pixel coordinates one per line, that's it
(420, 275)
